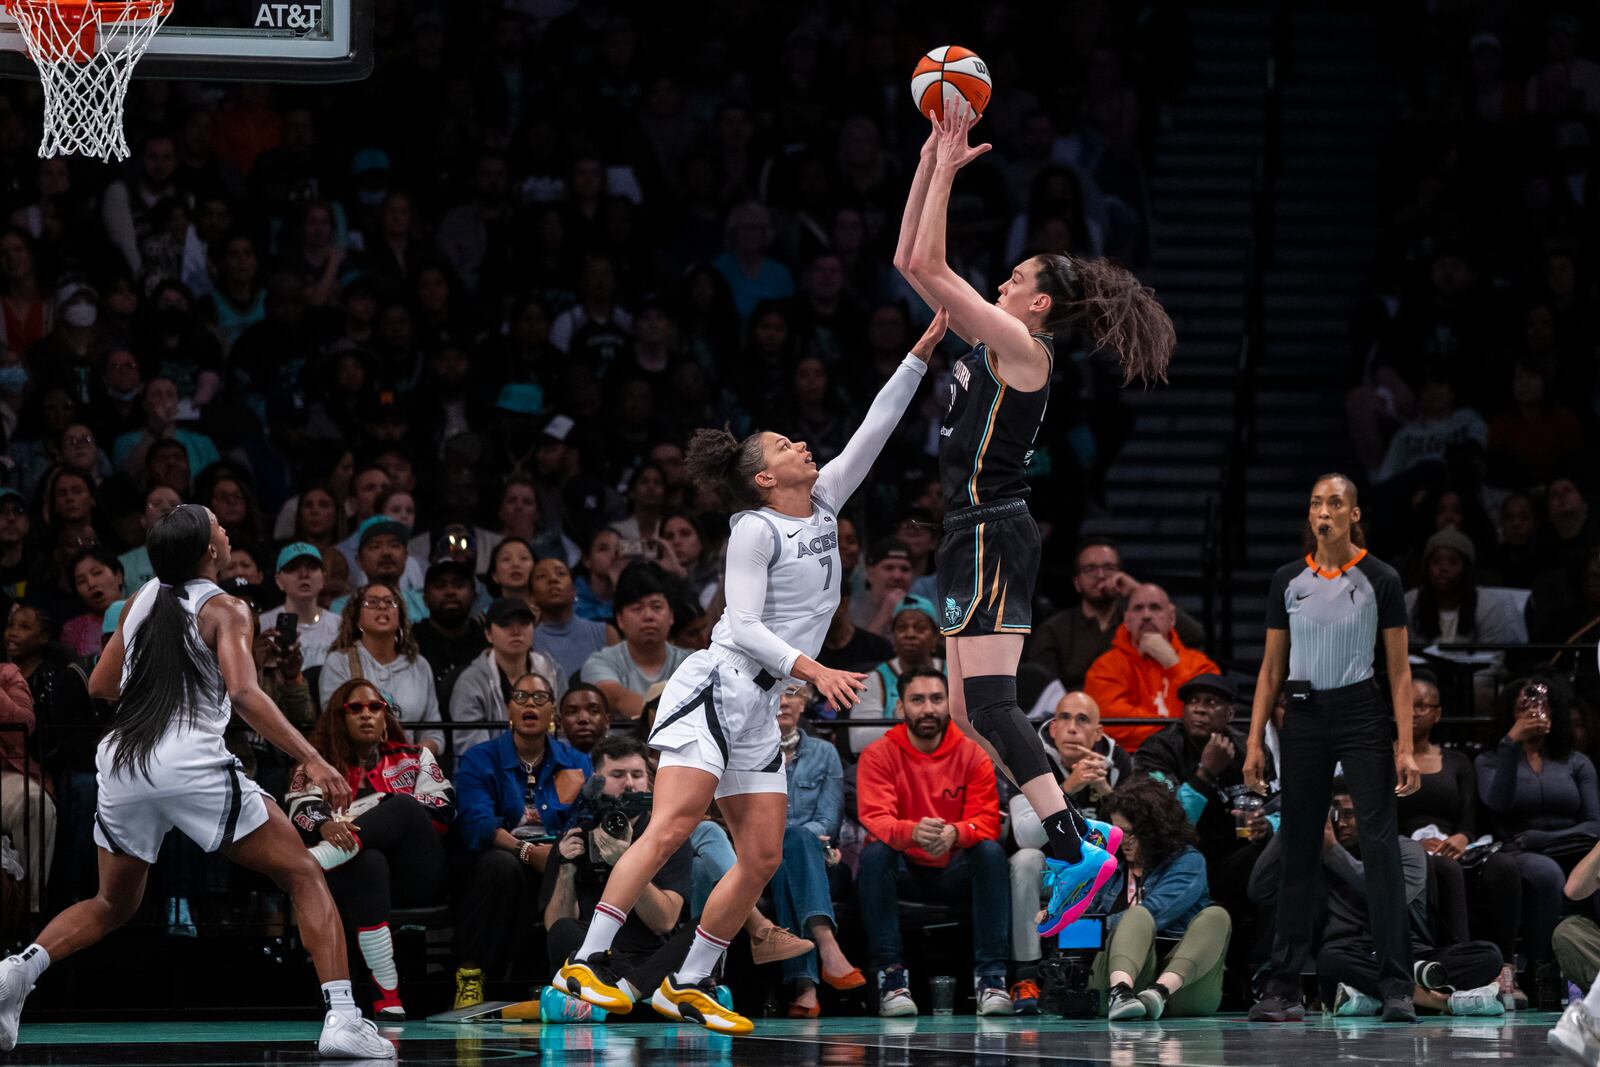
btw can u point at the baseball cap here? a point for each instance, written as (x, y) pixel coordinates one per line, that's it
(379, 525)
(73, 289)
(1208, 683)
(521, 398)
(10, 492)
(507, 609)
(1450, 537)
(299, 550)
(368, 160)
(888, 548)
(917, 603)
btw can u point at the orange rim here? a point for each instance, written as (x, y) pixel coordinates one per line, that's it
(70, 28)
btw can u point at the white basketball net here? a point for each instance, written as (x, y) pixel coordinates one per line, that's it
(86, 52)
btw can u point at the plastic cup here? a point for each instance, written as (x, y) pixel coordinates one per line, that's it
(1244, 809)
(943, 988)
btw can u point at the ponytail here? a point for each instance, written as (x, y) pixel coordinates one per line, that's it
(166, 676)
(726, 466)
(1117, 310)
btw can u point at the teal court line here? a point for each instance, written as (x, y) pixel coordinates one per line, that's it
(808, 1030)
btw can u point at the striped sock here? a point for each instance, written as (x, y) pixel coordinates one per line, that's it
(377, 948)
(602, 930)
(704, 954)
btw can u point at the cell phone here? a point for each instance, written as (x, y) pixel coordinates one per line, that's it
(1087, 932)
(631, 549)
(288, 629)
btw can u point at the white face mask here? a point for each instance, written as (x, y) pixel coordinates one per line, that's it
(81, 315)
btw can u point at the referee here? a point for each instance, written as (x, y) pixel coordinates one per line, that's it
(1324, 617)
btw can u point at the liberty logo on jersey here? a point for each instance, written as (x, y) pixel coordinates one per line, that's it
(817, 545)
(952, 611)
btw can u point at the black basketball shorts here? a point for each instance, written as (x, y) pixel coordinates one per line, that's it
(988, 560)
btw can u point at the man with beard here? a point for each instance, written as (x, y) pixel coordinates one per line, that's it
(1073, 638)
(1140, 675)
(450, 637)
(382, 557)
(926, 796)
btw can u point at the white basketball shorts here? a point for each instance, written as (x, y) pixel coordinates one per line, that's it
(212, 806)
(721, 717)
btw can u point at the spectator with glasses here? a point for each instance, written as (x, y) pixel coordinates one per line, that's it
(484, 685)
(375, 643)
(515, 793)
(381, 852)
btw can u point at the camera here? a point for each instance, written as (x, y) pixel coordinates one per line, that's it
(1064, 987)
(613, 815)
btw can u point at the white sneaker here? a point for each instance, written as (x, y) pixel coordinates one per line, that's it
(992, 1001)
(344, 1038)
(1348, 1002)
(1576, 1036)
(13, 991)
(1485, 1000)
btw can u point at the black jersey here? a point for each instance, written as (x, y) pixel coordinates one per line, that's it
(989, 430)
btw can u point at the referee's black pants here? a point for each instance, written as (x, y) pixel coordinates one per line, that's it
(1352, 725)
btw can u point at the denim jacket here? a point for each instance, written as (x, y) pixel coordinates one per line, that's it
(1174, 893)
(816, 788)
(491, 786)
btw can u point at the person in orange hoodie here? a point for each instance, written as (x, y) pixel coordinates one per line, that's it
(1140, 675)
(926, 795)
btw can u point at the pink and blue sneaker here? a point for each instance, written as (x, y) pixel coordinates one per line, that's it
(1102, 835)
(1073, 886)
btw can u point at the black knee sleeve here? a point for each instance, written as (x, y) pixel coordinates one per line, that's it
(993, 711)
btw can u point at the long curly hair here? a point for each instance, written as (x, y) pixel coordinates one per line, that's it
(1155, 817)
(405, 642)
(331, 738)
(721, 463)
(1118, 311)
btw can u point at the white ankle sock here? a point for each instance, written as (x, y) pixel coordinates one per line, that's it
(704, 953)
(34, 960)
(336, 997)
(377, 948)
(603, 929)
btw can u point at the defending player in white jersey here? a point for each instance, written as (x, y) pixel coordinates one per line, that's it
(180, 662)
(717, 726)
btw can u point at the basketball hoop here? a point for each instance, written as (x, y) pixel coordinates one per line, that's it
(86, 51)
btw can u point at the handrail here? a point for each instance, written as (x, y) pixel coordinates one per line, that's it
(1242, 443)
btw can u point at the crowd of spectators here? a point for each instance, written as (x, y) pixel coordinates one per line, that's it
(430, 347)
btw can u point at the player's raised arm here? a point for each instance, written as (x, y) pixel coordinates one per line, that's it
(909, 222)
(1006, 335)
(839, 479)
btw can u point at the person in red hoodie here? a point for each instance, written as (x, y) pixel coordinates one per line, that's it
(926, 796)
(1140, 675)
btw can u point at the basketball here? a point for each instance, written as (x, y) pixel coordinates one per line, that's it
(947, 74)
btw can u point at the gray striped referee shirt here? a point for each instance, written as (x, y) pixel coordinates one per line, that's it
(1333, 617)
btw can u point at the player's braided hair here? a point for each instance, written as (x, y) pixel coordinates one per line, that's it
(722, 464)
(1116, 309)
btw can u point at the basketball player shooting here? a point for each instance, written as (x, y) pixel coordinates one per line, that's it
(989, 554)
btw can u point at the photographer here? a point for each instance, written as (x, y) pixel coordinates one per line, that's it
(645, 950)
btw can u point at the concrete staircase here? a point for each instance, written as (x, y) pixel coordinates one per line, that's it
(1334, 112)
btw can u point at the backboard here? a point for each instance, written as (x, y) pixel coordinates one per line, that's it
(243, 40)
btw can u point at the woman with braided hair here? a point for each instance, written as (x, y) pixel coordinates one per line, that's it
(989, 555)
(716, 725)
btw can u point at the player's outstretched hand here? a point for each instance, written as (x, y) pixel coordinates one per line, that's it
(842, 689)
(931, 337)
(953, 150)
(335, 790)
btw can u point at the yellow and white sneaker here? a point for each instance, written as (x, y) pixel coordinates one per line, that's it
(593, 980)
(699, 1003)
